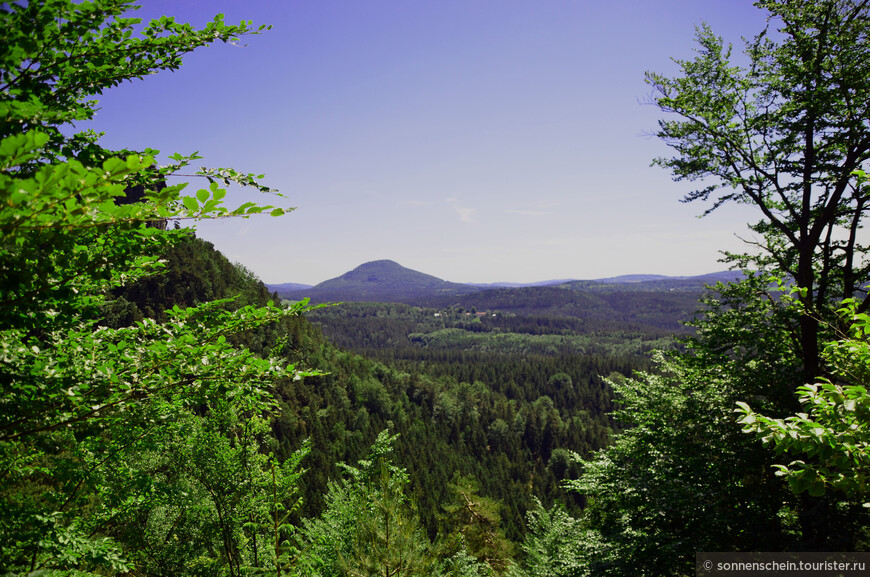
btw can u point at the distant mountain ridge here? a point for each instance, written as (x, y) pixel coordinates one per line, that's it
(518, 284)
(651, 283)
(378, 281)
(633, 278)
(289, 286)
(388, 281)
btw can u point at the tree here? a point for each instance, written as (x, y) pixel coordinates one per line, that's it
(96, 420)
(475, 526)
(785, 133)
(831, 438)
(553, 546)
(681, 477)
(58, 55)
(368, 528)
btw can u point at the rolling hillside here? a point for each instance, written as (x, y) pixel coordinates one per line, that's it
(387, 281)
(650, 301)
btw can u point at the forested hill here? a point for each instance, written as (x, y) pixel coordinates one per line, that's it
(377, 281)
(654, 300)
(502, 422)
(658, 309)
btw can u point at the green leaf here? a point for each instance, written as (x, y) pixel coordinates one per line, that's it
(190, 203)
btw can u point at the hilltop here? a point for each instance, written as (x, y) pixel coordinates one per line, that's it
(378, 281)
(388, 281)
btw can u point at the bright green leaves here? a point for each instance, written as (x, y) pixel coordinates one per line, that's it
(832, 435)
(225, 491)
(57, 53)
(63, 196)
(554, 544)
(82, 403)
(190, 204)
(209, 204)
(98, 376)
(115, 441)
(229, 176)
(70, 195)
(21, 148)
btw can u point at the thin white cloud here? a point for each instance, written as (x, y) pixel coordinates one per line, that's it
(466, 214)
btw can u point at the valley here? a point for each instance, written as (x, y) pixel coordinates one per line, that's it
(164, 412)
(496, 385)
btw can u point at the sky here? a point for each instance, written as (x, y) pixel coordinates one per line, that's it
(473, 140)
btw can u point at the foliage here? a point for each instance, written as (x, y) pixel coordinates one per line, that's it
(831, 435)
(785, 134)
(461, 564)
(125, 446)
(59, 54)
(81, 398)
(368, 526)
(680, 479)
(475, 526)
(554, 545)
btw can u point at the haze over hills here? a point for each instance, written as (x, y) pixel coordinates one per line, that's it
(388, 281)
(650, 282)
(487, 285)
(289, 286)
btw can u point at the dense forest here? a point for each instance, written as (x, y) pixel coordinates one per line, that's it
(456, 413)
(378, 329)
(163, 414)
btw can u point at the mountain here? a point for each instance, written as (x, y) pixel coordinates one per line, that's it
(653, 283)
(288, 286)
(519, 284)
(633, 278)
(378, 281)
(388, 281)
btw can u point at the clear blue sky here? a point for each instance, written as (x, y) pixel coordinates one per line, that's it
(475, 140)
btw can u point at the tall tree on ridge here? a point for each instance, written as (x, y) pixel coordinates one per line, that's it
(785, 134)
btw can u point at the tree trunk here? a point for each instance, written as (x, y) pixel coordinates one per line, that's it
(809, 324)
